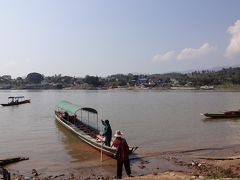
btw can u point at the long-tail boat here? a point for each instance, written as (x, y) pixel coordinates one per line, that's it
(227, 114)
(16, 100)
(81, 125)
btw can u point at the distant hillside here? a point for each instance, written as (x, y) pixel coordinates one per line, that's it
(210, 69)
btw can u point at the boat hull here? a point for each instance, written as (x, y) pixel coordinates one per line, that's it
(16, 103)
(222, 115)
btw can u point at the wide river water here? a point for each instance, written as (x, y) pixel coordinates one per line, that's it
(155, 121)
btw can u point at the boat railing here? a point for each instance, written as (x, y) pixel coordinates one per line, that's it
(72, 120)
(84, 114)
(87, 129)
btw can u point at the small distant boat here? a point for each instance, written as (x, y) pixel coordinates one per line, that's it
(227, 114)
(16, 100)
(207, 87)
(66, 115)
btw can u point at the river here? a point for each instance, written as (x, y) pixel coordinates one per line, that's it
(155, 121)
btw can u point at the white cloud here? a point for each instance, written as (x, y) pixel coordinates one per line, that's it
(164, 57)
(233, 48)
(187, 53)
(191, 53)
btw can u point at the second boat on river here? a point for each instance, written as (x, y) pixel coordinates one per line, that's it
(227, 114)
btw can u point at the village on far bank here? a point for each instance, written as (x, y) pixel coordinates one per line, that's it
(226, 78)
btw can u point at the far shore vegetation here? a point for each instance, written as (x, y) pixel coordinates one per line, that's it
(226, 78)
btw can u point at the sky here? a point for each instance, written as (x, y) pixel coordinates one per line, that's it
(105, 37)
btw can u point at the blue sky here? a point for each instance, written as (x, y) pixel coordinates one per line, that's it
(103, 37)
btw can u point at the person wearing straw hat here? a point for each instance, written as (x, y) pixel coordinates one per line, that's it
(122, 154)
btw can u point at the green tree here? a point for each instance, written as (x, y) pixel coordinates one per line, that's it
(34, 77)
(93, 80)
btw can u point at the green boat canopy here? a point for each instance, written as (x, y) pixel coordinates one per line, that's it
(72, 108)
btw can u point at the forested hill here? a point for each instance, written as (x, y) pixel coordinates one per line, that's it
(224, 76)
(205, 77)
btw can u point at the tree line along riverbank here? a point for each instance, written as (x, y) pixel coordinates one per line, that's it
(226, 78)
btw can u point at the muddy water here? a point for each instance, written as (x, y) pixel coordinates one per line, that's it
(153, 120)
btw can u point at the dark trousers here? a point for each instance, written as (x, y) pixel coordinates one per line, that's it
(120, 165)
(107, 141)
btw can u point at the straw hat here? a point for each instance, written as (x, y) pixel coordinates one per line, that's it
(118, 133)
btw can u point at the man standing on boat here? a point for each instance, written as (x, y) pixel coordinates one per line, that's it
(107, 133)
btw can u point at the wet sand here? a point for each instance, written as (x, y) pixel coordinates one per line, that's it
(190, 164)
(193, 164)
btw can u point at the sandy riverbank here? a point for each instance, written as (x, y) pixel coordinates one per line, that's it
(195, 164)
(191, 164)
